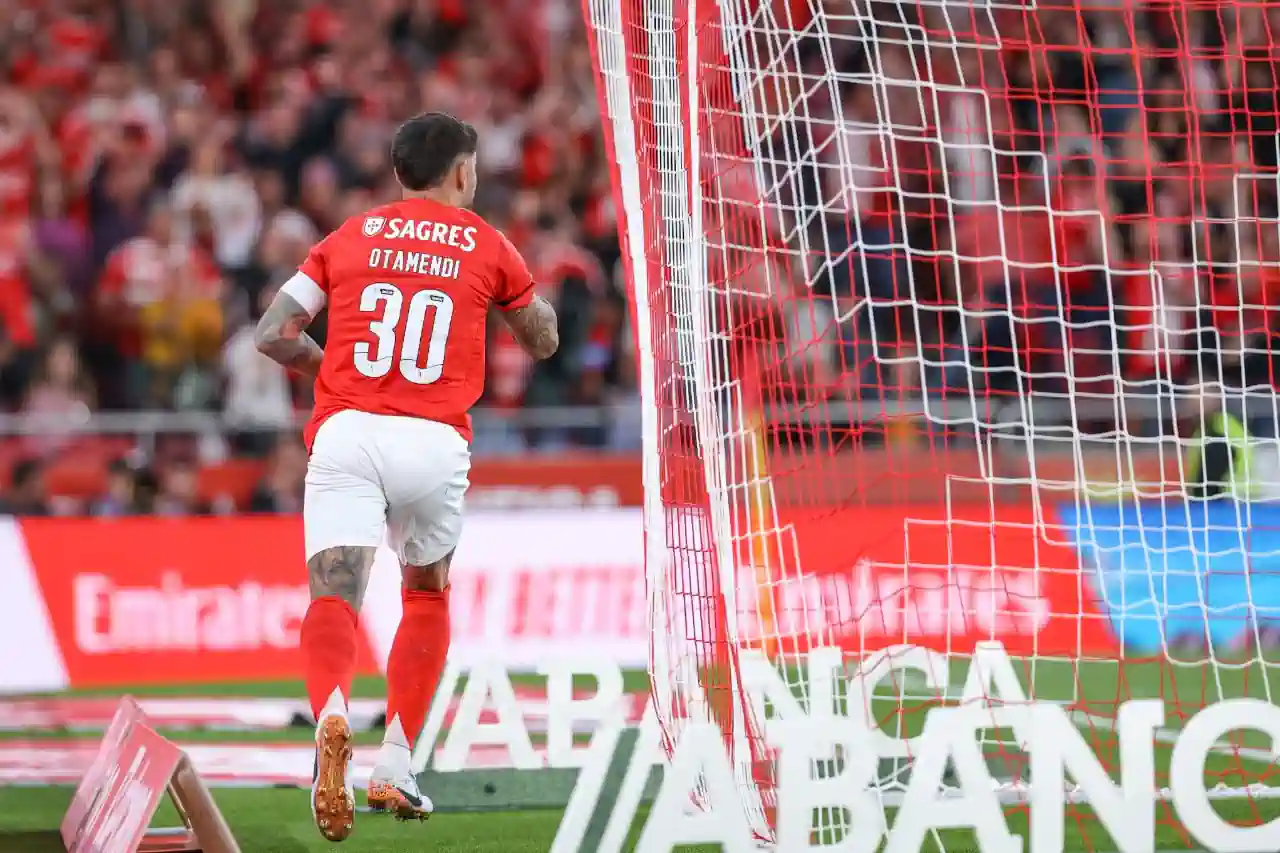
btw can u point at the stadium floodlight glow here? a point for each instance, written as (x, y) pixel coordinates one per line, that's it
(935, 304)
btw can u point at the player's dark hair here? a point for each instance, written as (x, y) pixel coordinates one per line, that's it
(426, 146)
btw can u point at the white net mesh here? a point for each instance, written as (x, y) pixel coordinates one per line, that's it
(954, 327)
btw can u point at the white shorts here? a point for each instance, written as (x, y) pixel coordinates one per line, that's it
(376, 474)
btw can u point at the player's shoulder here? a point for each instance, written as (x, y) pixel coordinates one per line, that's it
(372, 223)
(492, 237)
(486, 232)
(488, 241)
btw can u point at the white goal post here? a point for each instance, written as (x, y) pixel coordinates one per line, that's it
(956, 353)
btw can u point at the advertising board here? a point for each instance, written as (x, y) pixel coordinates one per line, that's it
(928, 575)
(150, 600)
(1183, 573)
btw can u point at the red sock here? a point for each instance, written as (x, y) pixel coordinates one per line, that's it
(417, 658)
(329, 649)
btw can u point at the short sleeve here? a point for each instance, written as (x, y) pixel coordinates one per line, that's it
(514, 287)
(309, 286)
(316, 266)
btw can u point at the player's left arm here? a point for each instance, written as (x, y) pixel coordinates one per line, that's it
(531, 318)
(281, 332)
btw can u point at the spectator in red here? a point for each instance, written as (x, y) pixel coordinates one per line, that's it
(17, 311)
(20, 138)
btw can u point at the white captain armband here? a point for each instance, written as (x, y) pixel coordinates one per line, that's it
(303, 290)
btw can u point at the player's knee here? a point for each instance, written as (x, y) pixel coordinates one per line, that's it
(433, 577)
(342, 572)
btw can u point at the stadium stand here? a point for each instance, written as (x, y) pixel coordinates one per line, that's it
(163, 164)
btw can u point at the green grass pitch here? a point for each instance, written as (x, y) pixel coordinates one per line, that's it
(279, 821)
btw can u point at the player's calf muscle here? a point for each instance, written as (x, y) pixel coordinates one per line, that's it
(342, 572)
(430, 578)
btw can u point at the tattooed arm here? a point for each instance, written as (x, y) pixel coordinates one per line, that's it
(535, 328)
(280, 335)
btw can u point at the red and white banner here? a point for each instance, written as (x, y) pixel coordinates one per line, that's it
(930, 576)
(147, 600)
(120, 602)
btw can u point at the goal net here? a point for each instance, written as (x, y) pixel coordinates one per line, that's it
(955, 348)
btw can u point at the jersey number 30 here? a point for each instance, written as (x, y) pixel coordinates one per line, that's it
(388, 299)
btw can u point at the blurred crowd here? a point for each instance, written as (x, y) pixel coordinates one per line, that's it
(170, 485)
(1075, 199)
(1066, 199)
(164, 164)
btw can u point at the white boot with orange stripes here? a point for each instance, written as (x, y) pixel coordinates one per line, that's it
(392, 786)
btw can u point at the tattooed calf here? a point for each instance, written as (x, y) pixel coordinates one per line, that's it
(341, 571)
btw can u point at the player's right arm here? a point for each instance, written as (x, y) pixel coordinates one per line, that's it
(532, 319)
(281, 334)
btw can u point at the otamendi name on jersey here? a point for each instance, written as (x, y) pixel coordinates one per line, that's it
(420, 263)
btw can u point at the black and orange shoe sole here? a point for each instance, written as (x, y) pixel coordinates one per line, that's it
(335, 808)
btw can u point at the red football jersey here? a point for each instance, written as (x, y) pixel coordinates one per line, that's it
(409, 286)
